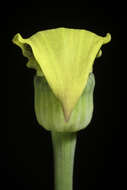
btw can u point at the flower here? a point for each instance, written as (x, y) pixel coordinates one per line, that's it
(64, 58)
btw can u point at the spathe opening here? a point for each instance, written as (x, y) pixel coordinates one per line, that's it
(32, 62)
(28, 50)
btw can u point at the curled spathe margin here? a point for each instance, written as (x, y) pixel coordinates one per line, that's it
(65, 57)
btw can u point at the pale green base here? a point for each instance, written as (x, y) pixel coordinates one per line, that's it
(64, 149)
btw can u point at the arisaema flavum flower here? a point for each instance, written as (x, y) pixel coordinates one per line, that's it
(64, 83)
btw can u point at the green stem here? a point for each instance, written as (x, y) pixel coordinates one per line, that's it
(64, 149)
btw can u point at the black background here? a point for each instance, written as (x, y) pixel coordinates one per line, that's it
(100, 153)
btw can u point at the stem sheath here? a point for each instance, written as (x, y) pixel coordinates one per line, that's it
(64, 149)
